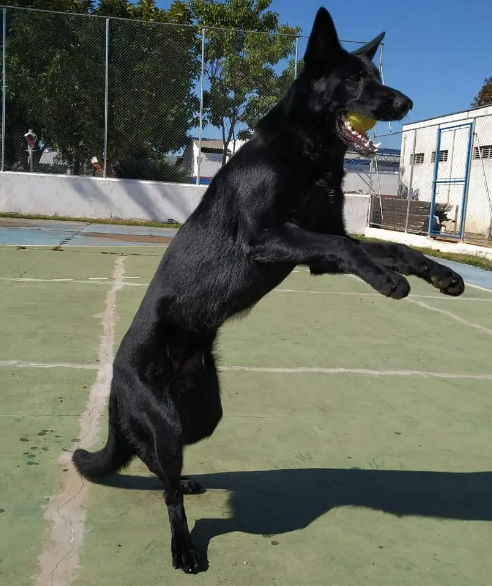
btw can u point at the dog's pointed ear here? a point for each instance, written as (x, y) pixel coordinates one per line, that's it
(323, 44)
(369, 50)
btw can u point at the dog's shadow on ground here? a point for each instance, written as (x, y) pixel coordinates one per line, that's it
(273, 502)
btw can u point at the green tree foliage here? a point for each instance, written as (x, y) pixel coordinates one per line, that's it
(484, 96)
(246, 70)
(55, 73)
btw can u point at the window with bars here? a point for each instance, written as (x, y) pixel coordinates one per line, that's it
(483, 152)
(443, 156)
(417, 159)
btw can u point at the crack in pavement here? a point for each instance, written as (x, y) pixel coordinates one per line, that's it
(60, 555)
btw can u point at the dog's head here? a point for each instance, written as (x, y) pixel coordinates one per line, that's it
(340, 82)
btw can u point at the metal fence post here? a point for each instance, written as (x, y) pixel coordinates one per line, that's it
(296, 62)
(106, 100)
(4, 81)
(200, 132)
(410, 180)
(469, 157)
(381, 72)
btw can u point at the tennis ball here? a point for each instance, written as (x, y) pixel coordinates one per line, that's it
(359, 122)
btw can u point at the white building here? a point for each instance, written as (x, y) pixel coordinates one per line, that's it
(460, 177)
(209, 161)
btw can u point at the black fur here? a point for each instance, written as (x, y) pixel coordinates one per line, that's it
(276, 204)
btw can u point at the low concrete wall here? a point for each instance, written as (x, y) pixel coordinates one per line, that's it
(360, 182)
(425, 242)
(124, 199)
(356, 212)
(91, 197)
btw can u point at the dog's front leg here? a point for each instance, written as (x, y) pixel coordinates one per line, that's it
(405, 260)
(291, 244)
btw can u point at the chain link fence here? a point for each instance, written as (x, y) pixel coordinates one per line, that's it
(444, 185)
(109, 97)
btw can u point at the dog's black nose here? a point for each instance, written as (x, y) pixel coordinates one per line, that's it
(402, 104)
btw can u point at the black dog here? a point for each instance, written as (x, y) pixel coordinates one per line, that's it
(276, 204)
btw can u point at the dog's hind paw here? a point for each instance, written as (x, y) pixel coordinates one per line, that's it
(184, 554)
(189, 486)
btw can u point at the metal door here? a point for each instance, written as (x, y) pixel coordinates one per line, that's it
(451, 172)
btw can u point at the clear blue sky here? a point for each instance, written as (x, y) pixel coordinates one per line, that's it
(436, 51)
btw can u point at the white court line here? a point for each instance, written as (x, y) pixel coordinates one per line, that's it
(452, 316)
(355, 294)
(60, 556)
(105, 281)
(295, 370)
(478, 287)
(26, 364)
(26, 280)
(364, 371)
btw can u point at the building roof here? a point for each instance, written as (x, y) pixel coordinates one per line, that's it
(476, 112)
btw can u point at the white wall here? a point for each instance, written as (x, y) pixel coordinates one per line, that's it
(91, 197)
(360, 182)
(356, 211)
(125, 199)
(425, 242)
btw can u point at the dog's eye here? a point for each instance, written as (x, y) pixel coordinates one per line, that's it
(355, 77)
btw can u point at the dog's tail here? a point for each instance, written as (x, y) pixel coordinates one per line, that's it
(116, 454)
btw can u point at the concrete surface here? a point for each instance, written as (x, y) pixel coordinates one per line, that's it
(355, 447)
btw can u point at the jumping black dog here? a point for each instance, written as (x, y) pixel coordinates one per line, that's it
(277, 203)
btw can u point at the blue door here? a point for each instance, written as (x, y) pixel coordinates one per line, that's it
(451, 173)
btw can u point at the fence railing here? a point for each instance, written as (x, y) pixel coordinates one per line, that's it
(109, 97)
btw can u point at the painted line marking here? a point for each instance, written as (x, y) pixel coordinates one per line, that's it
(363, 371)
(26, 364)
(295, 370)
(106, 281)
(60, 556)
(27, 280)
(355, 294)
(453, 316)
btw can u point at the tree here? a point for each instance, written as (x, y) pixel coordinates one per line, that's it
(56, 74)
(246, 70)
(484, 96)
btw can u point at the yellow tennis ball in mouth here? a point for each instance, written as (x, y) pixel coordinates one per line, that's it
(359, 122)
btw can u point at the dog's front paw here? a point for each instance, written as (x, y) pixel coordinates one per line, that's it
(392, 285)
(184, 554)
(447, 281)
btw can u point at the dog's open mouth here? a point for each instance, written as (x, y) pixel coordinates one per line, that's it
(356, 139)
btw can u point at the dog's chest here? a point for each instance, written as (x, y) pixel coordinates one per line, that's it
(320, 208)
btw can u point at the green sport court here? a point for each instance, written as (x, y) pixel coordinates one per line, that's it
(356, 445)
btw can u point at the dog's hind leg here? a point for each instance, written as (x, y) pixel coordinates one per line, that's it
(405, 260)
(164, 458)
(116, 454)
